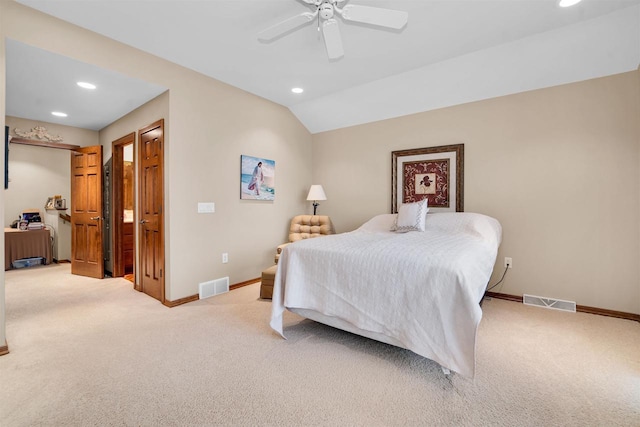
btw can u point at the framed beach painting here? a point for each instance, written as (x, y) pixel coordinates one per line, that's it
(432, 173)
(257, 178)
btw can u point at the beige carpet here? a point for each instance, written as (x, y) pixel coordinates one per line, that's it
(96, 352)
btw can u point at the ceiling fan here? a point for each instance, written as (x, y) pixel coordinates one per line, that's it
(325, 12)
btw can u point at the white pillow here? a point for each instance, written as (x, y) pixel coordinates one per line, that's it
(411, 217)
(473, 224)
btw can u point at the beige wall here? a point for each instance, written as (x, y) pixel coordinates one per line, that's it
(36, 173)
(228, 123)
(152, 111)
(558, 167)
(210, 124)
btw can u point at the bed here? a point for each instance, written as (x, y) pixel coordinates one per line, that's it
(418, 290)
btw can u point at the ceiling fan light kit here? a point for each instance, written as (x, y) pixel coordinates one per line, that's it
(326, 10)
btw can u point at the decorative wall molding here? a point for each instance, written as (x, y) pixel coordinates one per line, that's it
(39, 132)
(196, 297)
(23, 141)
(579, 308)
(245, 283)
(181, 301)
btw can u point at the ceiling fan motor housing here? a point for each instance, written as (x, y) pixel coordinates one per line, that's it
(326, 10)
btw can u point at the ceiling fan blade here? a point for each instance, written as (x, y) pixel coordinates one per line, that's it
(285, 26)
(389, 18)
(332, 39)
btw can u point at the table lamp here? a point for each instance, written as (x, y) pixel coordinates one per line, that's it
(316, 193)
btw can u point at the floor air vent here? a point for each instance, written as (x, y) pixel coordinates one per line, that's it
(556, 304)
(214, 287)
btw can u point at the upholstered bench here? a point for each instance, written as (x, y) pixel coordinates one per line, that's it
(266, 286)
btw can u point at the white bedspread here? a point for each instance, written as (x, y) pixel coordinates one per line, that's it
(421, 289)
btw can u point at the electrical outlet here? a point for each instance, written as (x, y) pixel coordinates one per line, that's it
(508, 262)
(225, 258)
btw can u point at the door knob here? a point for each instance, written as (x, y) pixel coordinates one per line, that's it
(143, 221)
(95, 218)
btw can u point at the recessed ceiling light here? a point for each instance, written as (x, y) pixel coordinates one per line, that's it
(86, 85)
(59, 114)
(567, 3)
(297, 90)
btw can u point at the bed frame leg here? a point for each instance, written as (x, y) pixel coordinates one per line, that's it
(445, 371)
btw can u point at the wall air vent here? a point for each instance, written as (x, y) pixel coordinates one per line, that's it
(214, 287)
(556, 304)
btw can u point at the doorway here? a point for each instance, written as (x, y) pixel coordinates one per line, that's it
(123, 190)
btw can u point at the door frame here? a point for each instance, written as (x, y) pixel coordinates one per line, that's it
(117, 190)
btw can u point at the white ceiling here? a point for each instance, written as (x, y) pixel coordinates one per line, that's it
(39, 82)
(451, 51)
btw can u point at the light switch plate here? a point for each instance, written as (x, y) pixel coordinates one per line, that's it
(208, 207)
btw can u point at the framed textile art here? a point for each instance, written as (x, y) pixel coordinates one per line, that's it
(433, 173)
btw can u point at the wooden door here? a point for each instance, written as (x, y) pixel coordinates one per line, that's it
(151, 198)
(86, 212)
(123, 236)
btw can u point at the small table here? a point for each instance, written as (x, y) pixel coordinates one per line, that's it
(19, 244)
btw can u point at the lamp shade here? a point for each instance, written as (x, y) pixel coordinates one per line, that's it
(316, 192)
